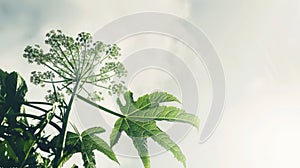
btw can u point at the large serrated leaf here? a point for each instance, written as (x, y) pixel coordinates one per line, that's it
(139, 123)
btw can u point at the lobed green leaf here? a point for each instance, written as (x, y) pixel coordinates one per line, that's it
(139, 123)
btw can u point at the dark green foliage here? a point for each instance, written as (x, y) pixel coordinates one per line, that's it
(16, 135)
(20, 141)
(12, 92)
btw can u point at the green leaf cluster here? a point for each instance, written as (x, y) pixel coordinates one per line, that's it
(21, 142)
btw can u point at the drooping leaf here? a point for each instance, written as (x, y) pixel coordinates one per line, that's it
(139, 123)
(116, 132)
(100, 145)
(86, 143)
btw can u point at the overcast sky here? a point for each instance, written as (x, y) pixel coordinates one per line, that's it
(257, 42)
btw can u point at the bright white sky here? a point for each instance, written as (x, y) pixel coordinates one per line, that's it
(257, 42)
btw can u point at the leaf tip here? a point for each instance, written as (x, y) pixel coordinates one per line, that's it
(197, 123)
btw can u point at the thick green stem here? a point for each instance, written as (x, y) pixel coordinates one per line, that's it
(64, 128)
(100, 107)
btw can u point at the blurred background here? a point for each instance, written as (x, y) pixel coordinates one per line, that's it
(257, 42)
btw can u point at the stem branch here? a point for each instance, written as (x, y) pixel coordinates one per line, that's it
(100, 107)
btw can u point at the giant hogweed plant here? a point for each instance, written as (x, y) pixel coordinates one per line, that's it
(72, 66)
